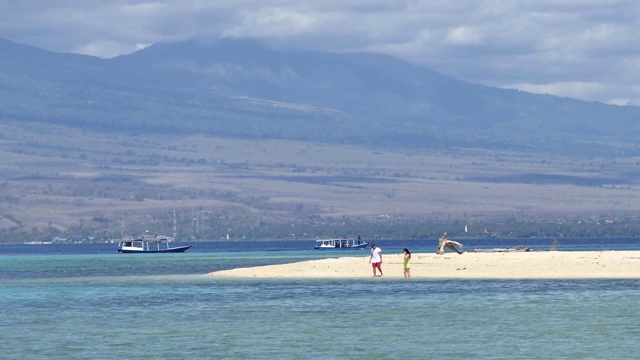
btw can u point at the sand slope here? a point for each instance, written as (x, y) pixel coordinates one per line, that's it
(516, 265)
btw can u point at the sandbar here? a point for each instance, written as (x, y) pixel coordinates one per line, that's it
(469, 265)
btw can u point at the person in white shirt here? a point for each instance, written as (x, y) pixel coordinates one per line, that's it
(376, 259)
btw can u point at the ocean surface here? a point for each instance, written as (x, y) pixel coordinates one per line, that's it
(84, 301)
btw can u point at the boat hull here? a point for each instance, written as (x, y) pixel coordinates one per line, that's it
(513, 249)
(176, 249)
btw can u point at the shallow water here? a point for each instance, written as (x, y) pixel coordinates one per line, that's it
(108, 306)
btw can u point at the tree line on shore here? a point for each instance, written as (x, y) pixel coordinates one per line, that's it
(248, 228)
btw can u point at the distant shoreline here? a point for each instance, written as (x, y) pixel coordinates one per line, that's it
(515, 265)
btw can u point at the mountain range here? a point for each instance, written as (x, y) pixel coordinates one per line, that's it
(233, 134)
(241, 88)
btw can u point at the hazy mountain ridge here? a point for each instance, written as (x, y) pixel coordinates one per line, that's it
(218, 87)
(264, 141)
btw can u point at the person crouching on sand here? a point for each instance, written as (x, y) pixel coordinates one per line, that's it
(376, 259)
(407, 264)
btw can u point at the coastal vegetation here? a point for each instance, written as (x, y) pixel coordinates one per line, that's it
(245, 229)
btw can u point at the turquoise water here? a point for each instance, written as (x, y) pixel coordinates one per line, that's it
(107, 306)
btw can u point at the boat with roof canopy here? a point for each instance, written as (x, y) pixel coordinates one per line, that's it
(341, 244)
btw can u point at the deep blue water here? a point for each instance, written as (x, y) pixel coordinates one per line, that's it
(87, 302)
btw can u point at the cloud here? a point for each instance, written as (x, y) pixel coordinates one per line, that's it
(271, 22)
(587, 49)
(464, 36)
(108, 49)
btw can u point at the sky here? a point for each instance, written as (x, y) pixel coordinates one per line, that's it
(583, 49)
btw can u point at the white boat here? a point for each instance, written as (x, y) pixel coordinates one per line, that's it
(148, 244)
(519, 248)
(341, 244)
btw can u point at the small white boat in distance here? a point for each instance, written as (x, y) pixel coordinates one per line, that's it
(148, 244)
(519, 248)
(341, 244)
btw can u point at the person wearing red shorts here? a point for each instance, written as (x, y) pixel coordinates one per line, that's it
(376, 259)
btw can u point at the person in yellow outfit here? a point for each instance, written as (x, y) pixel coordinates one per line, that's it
(407, 264)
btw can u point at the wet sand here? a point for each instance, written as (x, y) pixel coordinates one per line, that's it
(514, 265)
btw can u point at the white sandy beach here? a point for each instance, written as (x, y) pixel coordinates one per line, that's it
(514, 265)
